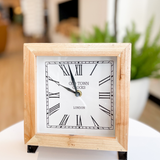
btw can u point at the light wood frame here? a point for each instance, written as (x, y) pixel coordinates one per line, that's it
(123, 53)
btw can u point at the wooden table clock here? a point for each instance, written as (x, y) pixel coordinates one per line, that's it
(77, 96)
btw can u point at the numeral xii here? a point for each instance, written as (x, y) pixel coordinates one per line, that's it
(78, 69)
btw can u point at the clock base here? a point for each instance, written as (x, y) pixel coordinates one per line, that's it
(122, 155)
(31, 149)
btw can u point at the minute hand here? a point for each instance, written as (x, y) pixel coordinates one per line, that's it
(73, 81)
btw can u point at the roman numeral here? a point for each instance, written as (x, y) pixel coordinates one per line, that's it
(78, 120)
(105, 110)
(54, 109)
(54, 95)
(104, 95)
(104, 80)
(50, 79)
(93, 69)
(64, 120)
(78, 69)
(94, 122)
(64, 69)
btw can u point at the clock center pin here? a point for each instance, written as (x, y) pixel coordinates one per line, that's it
(78, 93)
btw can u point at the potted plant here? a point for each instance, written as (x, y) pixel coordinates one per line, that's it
(145, 61)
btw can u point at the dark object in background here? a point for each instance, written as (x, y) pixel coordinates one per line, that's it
(11, 14)
(68, 18)
(154, 99)
(68, 27)
(3, 34)
(3, 29)
(1, 8)
(68, 9)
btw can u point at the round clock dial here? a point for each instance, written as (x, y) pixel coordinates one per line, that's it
(79, 95)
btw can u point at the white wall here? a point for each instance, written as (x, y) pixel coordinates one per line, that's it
(92, 13)
(33, 13)
(139, 11)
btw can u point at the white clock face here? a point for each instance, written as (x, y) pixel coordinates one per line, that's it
(86, 108)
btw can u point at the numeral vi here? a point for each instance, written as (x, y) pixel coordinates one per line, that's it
(78, 120)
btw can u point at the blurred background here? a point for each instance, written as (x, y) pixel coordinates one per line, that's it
(87, 21)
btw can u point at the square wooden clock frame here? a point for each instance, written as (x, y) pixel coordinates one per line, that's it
(118, 143)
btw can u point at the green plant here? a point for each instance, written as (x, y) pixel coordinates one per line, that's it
(98, 36)
(145, 61)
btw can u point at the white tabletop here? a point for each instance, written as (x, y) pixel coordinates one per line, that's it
(144, 144)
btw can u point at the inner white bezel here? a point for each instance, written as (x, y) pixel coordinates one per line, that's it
(41, 100)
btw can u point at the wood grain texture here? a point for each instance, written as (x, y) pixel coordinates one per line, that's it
(123, 95)
(77, 142)
(29, 94)
(76, 49)
(123, 54)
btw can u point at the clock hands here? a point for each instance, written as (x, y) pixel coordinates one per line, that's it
(77, 93)
(70, 90)
(67, 89)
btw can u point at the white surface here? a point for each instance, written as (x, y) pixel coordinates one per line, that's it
(92, 13)
(144, 144)
(139, 90)
(138, 11)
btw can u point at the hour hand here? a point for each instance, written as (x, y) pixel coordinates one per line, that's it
(74, 83)
(68, 89)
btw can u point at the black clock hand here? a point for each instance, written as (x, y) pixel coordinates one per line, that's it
(49, 78)
(74, 83)
(67, 89)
